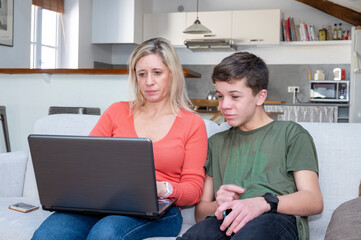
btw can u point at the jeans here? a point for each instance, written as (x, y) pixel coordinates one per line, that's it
(76, 226)
(267, 226)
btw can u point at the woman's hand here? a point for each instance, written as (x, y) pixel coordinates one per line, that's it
(228, 193)
(161, 189)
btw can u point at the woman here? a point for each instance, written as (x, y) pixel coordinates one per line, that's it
(159, 112)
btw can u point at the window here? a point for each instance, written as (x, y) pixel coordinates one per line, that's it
(44, 49)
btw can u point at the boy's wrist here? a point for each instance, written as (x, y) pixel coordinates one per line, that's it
(272, 202)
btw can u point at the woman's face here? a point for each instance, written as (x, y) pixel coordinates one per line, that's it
(153, 78)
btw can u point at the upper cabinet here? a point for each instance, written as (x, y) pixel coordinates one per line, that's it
(218, 22)
(244, 27)
(117, 21)
(171, 25)
(167, 25)
(256, 26)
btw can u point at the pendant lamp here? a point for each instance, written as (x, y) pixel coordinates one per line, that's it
(197, 27)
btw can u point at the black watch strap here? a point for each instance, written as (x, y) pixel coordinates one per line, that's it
(272, 200)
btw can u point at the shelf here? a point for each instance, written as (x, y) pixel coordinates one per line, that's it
(191, 74)
(316, 43)
(187, 73)
(62, 71)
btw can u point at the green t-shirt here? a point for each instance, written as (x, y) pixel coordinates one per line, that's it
(262, 160)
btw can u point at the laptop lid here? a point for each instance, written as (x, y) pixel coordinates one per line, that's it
(105, 175)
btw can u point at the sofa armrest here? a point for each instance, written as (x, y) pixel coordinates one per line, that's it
(12, 173)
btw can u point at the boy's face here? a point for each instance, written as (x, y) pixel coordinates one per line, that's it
(236, 102)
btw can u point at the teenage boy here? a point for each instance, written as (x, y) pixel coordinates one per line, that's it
(261, 175)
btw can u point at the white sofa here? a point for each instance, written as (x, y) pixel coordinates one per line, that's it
(339, 161)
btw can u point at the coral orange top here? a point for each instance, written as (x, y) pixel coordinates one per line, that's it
(178, 157)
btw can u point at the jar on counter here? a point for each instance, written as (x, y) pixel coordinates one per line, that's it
(319, 75)
(212, 95)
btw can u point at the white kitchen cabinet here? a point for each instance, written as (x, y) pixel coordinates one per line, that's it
(167, 25)
(219, 22)
(244, 27)
(171, 25)
(117, 21)
(256, 26)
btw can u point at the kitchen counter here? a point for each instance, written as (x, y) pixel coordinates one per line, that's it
(210, 107)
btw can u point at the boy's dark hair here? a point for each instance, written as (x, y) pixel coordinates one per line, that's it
(243, 65)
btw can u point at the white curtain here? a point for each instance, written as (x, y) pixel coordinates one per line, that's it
(304, 113)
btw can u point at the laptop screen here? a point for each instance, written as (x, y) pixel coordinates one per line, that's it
(95, 174)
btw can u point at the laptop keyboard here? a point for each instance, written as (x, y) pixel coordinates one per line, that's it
(162, 203)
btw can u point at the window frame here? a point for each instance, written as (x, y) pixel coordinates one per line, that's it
(36, 35)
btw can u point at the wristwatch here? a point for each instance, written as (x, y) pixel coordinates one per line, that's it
(169, 189)
(272, 200)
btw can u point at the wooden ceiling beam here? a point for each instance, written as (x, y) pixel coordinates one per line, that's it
(338, 11)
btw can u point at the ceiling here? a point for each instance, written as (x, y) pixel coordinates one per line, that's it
(346, 10)
(351, 4)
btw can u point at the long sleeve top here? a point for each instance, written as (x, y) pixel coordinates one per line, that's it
(179, 157)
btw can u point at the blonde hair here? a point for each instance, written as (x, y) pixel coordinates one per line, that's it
(162, 47)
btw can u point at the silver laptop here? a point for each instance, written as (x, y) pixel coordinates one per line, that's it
(96, 175)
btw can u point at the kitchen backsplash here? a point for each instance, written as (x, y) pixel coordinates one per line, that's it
(280, 77)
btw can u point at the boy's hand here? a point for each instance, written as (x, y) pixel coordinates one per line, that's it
(242, 212)
(228, 193)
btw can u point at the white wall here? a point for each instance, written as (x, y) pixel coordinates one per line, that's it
(85, 53)
(88, 52)
(272, 54)
(77, 49)
(18, 56)
(79, 52)
(278, 54)
(288, 7)
(28, 97)
(70, 41)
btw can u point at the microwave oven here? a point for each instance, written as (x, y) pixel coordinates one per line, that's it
(329, 91)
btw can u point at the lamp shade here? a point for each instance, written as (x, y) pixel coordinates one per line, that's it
(197, 28)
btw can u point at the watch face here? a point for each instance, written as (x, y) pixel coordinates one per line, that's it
(272, 198)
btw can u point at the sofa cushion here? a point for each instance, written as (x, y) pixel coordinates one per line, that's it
(211, 127)
(12, 168)
(72, 124)
(339, 175)
(30, 187)
(16, 225)
(346, 221)
(58, 124)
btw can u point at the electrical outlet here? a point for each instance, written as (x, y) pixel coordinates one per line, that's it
(292, 89)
